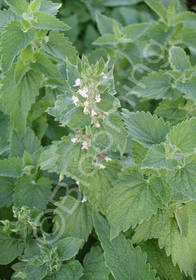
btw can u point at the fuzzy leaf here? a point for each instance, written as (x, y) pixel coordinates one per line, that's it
(94, 265)
(164, 227)
(18, 98)
(178, 59)
(156, 85)
(49, 7)
(68, 247)
(10, 248)
(11, 167)
(121, 258)
(188, 88)
(32, 194)
(19, 7)
(158, 8)
(156, 158)
(47, 21)
(133, 31)
(68, 114)
(76, 217)
(13, 41)
(6, 191)
(136, 199)
(69, 271)
(183, 136)
(145, 128)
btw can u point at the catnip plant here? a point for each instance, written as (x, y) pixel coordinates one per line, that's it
(97, 140)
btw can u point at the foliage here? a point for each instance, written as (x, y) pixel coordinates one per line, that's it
(97, 140)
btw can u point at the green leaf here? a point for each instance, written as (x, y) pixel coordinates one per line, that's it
(111, 136)
(158, 8)
(139, 152)
(29, 143)
(164, 227)
(160, 261)
(19, 7)
(106, 39)
(136, 199)
(145, 128)
(94, 265)
(6, 16)
(76, 217)
(98, 183)
(183, 136)
(124, 261)
(11, 167)
(157, 85)
(59, 46)
(18, 98)
(68, 247)
(10, 248)
(43, 64)
(47, 21)
(178, 59)
(187, 18)
(6, 191)
(189, 37)
(113, 3)
(184, 178)
(49, 7)
(133, 31)
(188, 87)
(69, 271)
(157, 158)
(31, 193)
(68, 113)
(37, 272)
(105, 24)
(172, 111)
(21, 39)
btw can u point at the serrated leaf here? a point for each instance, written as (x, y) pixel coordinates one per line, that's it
(188, 87)
(70, 271)
(49, 7)
(29, 143)
(183, 136)
(184, 178)
(134, 31)
(178, 59)
(164, 227)
(68, 247)
(43, 64)
(11, 167)
(6, 17)
(18, 98)
(121, 258)
(145, 128)
(139, 152)
(157, 85)
(105, 24)
(68, 114)
(47, 21)
(59, 46)
(94, 265)
(19, 7)
(157, 158)
(160, 261)
(136, 199)
(10, 248)
(76, 216)
(6, 191)
(187, 18)
(13, 41)
(31, 193)
(158, 8)
(106, 39)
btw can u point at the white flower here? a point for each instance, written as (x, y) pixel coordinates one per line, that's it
(77, 182)
(98, 98)
(85, 111)
(106, 113)
(83, 92)
(101, 166)
(84, 146)
(93, 113)
(73, 140)
(75, 99)
(86, 104)
(97, 125)
(104, 77)
(108, 159)
(77, 82)
(84, 199)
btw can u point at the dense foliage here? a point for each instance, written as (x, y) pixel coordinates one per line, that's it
(97, 140)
